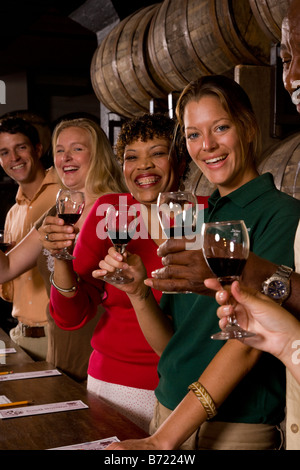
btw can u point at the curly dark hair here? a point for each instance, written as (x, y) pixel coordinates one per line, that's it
(144, 127)
(148, 126)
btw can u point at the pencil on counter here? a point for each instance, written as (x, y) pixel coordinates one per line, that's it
(15, 403)
(7, 372)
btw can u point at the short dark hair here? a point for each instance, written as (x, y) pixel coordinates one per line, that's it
(145, 127)
(18, 125)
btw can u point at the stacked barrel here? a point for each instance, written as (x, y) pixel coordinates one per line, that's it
(161, 48)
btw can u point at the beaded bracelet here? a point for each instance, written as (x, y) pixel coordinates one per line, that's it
(71, 289)
(204, 398)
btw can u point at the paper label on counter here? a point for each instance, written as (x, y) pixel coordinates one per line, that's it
(7, 350)
(42, 409)
(29, 375)
(93, 445)
(4, 399)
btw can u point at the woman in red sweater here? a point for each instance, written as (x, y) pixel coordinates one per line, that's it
(123, 367)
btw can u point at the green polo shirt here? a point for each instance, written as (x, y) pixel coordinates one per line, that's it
(271, 218)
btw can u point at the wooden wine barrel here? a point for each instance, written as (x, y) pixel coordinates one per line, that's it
(196, 182)
(269, 15)
(119, 70)
(283, 161)
(190, 38)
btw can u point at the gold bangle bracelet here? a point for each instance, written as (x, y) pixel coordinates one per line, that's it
(71, 289)
(204, 398)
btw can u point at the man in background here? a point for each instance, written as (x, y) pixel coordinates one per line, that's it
(290, 55)
(20, 153)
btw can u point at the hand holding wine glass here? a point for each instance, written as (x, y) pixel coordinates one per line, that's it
(121, 223)
(177, 213)
(226, 249)
(5, 240)
(69, 206)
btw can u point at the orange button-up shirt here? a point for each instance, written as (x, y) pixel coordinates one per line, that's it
(27, 292)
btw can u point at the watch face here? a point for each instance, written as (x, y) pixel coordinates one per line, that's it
(277, 290)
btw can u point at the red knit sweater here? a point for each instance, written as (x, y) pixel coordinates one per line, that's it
(121, 355)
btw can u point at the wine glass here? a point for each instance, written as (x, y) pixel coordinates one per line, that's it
(121, 223)
(226, 249)
(5, 240)
(69, 206)
(177, 212)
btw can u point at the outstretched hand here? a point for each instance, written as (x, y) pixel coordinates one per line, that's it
(132, 266)
(256, 312)
(184, 270)
(133, 444)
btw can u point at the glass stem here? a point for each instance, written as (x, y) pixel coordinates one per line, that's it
(231, 319)
(120, 249)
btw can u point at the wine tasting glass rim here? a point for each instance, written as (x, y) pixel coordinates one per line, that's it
(225, 222)
(129, 209)
(71, 191)
(176, 192)
(121, 207)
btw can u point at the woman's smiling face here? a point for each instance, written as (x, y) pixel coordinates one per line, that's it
(72, 156)
(213, 143)
(148, 169)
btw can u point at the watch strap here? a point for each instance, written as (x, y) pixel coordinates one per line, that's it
(282, 274)
(283, 271)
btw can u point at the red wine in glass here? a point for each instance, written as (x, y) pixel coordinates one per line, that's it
(69, 219)
(226, 268)
(118, 239)
(69, 206)
(179, 232)
(5, 246)
(121, 223)
(226, 249)
(177, 213)
(5, 241)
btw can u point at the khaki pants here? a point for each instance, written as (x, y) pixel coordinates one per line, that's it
(213, 435)
(34, 347)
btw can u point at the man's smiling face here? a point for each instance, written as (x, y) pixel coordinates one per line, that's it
(18, 157)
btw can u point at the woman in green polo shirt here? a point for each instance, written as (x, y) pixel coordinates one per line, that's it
(238, 397)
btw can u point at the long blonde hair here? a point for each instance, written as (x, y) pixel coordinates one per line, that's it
(105, 173)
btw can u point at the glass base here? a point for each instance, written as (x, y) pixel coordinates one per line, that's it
(117, 279)
(64, 254)
(232, 332)
(177, 292)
